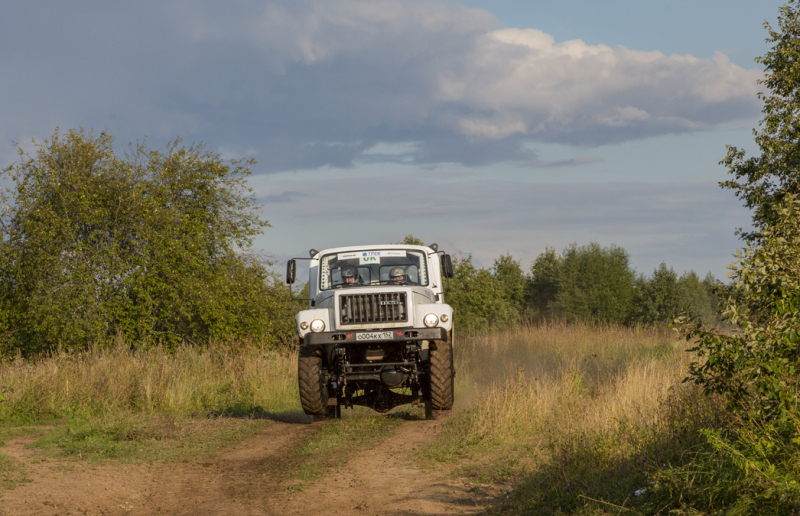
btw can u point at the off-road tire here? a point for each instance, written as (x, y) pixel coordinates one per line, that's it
(313, 388)
(441, 375)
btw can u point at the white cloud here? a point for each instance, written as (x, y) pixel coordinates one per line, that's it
(310, 83)
(462, 78)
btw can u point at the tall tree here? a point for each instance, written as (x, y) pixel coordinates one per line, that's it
(756, 366)
(509, 273)
(657, 299)
(478, 298)
(148, 246)
(595, 283)
(763, 181)
(543, 282)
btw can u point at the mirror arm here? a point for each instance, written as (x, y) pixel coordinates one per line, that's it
(291, 295)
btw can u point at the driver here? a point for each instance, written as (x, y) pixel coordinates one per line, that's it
(397, 276)
(349, 276)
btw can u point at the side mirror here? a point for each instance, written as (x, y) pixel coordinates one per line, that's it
(291, 271)
(447, 266)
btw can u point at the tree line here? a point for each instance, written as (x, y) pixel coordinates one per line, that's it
(154, 247)
(584, 282)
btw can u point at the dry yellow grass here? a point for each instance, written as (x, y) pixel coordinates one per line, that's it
(537, 384)
(120, 380)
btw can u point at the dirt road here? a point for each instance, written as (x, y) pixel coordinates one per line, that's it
(246, 479)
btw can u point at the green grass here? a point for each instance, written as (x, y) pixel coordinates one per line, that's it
(10, 432)
(146, 438)
(12, 473)
(335, 442)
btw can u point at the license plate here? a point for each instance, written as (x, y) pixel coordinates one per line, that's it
(375, 335)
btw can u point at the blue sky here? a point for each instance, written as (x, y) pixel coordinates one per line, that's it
(488, 127)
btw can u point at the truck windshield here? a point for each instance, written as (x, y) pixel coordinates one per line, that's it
(372, 268)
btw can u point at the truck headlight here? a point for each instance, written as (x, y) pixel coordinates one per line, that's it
(317, 325)
(431, 320)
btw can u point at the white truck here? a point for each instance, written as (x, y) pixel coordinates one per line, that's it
(377, 331)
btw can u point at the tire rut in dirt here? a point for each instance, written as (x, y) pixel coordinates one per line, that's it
(442, 384)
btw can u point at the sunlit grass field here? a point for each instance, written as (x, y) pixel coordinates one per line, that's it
(562, 418)
(571, 419)
(120, 381)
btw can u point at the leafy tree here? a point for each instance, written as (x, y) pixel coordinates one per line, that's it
(750, 465)
(514, 284)
(412, 240)
(595, 283)
(713, 287)
(756, 366)
(658, 299)
(543, 282)
(693, 296)
(763, 181)
(147, 246)
(478, 298)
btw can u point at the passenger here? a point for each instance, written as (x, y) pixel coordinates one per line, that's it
(397, 276)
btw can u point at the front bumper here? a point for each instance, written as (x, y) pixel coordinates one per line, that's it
(358, 336)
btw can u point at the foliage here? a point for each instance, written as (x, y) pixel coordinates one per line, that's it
(750, 465)
(747, 467)
(412, 240)
(478, 298)
(756, 367)
(147, 246)
(543, 282)
(657, 300)
(694, 296)
(665, 295)
(764, 181)
(595, 283)
(589, 283)
(512, 280)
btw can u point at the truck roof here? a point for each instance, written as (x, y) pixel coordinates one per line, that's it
(330, 250)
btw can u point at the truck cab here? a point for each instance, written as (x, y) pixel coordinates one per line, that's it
(377, 331)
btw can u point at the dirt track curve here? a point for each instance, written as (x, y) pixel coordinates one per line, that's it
(243, 480)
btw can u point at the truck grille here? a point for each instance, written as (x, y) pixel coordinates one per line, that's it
(373, 308)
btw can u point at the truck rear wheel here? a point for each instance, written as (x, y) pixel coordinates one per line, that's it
(441, 375)
(313, 387)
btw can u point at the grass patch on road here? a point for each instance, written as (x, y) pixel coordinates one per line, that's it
(12, 472)
(334, 443)
(146, 438)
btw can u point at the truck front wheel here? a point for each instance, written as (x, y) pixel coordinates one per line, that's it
(441, 375)
(311, 379)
